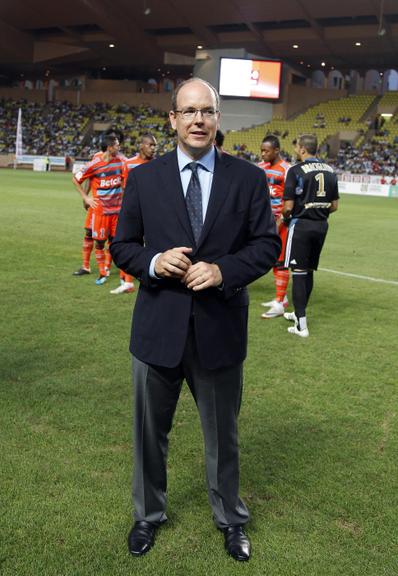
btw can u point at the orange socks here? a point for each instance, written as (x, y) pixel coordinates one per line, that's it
(100, 257)
(281, 277)
(126, 277)
(108, 259)
(88, 244)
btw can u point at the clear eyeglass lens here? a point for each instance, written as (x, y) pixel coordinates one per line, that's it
(190, 113)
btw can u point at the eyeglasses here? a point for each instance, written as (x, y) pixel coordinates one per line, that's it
(190, 113)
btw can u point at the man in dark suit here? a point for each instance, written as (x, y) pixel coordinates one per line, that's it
(195, 228)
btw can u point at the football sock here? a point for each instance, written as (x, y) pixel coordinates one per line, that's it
(126, 277)
(310, 283)
(281, 277)
(302, 323)
(299, 293)
(100, 257)
(88, 244)
(108, 259)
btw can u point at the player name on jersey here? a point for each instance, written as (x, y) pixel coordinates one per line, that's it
(316, 167)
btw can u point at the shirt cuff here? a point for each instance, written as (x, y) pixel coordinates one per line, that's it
(152, 267)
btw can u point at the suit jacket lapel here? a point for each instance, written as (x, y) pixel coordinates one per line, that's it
(219, 190)
(172, 186)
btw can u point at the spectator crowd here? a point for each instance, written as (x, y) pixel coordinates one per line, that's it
(63, 129)
(371, 158)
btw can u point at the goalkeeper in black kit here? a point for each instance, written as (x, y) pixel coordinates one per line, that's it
(311, 194)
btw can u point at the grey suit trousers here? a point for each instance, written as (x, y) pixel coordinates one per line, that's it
(217, 394)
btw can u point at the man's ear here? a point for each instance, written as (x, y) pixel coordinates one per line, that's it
(172, 118)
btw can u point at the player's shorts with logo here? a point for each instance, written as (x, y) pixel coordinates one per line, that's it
(103, 225)
(304, 243)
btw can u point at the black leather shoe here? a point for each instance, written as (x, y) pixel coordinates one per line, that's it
(237, 543)
(141, 538)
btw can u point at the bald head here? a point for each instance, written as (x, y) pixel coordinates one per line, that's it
(185, 83)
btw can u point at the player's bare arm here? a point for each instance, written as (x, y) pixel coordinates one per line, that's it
(87, 200)
(287, 208)
(334, 205)
(173, 263)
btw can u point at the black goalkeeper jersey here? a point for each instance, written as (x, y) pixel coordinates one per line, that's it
(312, 185)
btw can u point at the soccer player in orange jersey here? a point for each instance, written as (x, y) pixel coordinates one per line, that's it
(88, 242)
(275, 169)
(106, 174)
(146, 151)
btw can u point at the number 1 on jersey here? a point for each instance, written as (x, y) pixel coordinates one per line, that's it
(321, 181)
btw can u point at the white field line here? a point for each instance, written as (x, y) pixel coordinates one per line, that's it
(360, 277)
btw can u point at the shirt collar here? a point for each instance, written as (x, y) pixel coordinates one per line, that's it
(207, 161)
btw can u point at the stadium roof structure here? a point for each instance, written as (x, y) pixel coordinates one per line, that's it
(132, 38)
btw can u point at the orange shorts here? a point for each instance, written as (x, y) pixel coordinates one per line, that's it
(283, 231)
(103, 225)
(89, 215)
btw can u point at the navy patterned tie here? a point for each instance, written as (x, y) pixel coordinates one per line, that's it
(193, 201)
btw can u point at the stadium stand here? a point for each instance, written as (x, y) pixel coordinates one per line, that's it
(376, 151)
(63, 129)
(324, 119)
(372, 158)
(387, 132)
(53, 129)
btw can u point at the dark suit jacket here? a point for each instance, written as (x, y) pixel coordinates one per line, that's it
(238, 234)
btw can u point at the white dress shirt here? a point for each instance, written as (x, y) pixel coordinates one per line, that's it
(205, 173)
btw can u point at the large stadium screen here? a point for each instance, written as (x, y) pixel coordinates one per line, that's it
(245, 78)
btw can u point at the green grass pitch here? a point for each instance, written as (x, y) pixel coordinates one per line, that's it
(319, 435)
